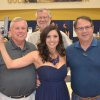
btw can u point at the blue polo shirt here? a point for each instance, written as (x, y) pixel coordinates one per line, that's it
(85, 68)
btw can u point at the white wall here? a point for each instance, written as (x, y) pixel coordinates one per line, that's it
(4, 5)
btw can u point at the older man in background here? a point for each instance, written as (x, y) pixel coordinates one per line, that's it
(43, 18)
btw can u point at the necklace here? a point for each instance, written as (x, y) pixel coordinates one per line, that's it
(54, 61)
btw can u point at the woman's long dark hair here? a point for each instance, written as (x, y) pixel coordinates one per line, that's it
(42, 47)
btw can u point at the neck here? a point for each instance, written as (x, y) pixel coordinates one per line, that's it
(53, 54)
(41, 29)
(86, 44)
(19, 43)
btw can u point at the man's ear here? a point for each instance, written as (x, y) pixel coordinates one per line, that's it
(51, 18)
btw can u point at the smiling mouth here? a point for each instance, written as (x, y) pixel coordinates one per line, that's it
(85, 35)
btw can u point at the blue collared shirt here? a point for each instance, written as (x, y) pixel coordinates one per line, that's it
(85, 68)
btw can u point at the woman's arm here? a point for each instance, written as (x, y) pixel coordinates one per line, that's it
(17, 63)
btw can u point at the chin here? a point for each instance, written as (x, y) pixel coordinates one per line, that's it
(52, 48)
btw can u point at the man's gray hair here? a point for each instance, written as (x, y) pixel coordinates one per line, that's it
(17, 19)
(42, 10)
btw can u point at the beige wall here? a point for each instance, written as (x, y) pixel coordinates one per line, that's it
(61, 11)
(58, 14)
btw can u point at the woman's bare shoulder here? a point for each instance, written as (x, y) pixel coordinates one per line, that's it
(35, 54)
(36, 58)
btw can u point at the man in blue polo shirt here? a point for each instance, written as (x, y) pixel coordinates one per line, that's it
(83, 58)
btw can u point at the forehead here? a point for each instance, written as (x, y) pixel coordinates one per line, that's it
(53, 32)
(43, 13)
(20, 23)
(83, 22)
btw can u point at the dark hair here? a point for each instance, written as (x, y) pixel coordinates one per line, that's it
(82, 17)
(42, 47)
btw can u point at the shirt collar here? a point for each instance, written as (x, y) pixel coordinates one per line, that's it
(94, 43)
(14, 46)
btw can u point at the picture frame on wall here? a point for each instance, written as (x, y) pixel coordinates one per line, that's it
(41, 1)
(44, 1)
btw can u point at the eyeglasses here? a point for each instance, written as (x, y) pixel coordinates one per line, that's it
(44, 17)
(86, 28)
